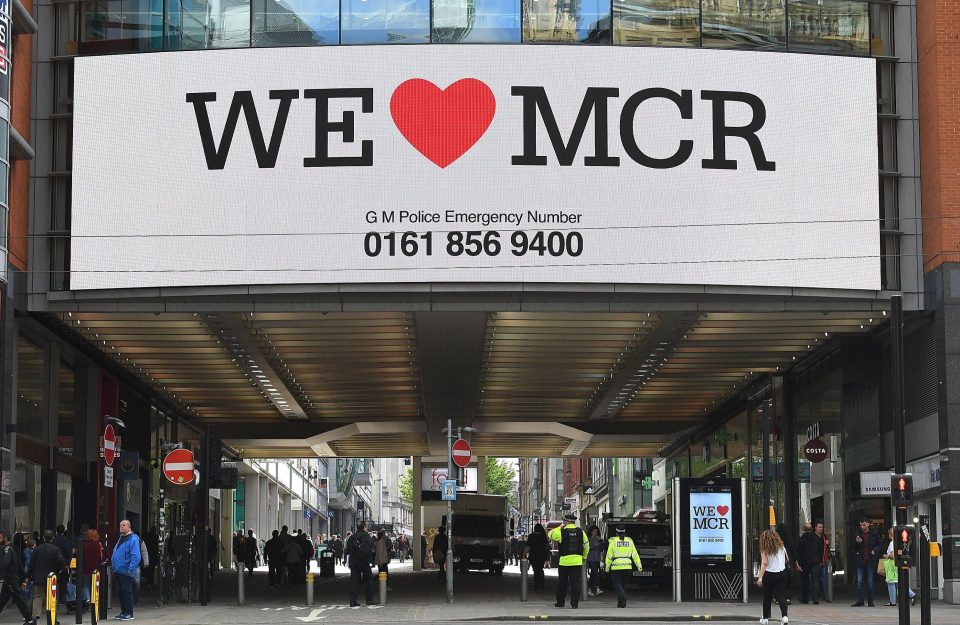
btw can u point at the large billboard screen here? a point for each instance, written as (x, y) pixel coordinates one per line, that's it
(463, 163)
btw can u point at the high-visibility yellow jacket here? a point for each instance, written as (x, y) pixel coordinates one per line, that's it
(570, 554)
(622, 554)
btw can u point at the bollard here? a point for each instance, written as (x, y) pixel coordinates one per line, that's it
(94, 597)
(583, 581)
(241, 597)
(51, 599)
(383, 588)
(309, 588)
(524, 578)
(109, 577)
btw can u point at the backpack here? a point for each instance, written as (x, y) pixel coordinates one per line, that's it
(144, 554)
(364, 547)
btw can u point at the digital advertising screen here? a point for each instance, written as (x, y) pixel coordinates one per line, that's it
(711, 524)
(474, 164)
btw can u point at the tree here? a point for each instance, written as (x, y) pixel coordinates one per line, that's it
(406, 486)
(500, 478)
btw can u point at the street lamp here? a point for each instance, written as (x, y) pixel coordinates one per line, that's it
(449, 432)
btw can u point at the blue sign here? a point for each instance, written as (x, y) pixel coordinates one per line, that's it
(448, 490)
(308, 513)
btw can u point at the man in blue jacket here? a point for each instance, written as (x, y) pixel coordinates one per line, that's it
(125, 563)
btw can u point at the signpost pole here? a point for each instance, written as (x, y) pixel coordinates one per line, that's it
(923, 564)
(450, 474)
(765, 484)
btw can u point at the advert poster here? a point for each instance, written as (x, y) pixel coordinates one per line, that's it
(711, 526)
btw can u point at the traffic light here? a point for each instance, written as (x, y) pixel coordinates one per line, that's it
(901, 490)
(904, 540)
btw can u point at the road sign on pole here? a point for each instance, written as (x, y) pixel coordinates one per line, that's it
(461, 453)
(109, 445)
(178, 467)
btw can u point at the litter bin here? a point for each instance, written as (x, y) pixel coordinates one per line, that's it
(327, 568)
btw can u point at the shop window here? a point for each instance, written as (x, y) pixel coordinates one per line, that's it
(749, 24)
(829, 27)
(296, 22)
(385, 21)
(476, 21)
(566, 21)
(26, 497)
(67, 436)
(64, 499)
(31, 390)
(656, 22)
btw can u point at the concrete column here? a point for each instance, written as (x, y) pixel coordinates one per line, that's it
(481, 476)
(417, 512)
(251, 506)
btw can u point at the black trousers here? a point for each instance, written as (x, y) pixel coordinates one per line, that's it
(569, 575)
(295, 574)
(11, 592)
(775, 586)
(620, 580)
(273, 573)
(361, 575)
(537, 566)
(811, 584)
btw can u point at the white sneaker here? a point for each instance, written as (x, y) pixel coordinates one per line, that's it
(764, 621)
(784, 620)
(599, 592)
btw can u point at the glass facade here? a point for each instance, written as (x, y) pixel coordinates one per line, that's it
(840, 27)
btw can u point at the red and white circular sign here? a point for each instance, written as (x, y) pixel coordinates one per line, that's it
(461, 453)
(178, 466)
(109, 445)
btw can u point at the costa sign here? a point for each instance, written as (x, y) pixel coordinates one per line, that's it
(476, 164)
(815, 450)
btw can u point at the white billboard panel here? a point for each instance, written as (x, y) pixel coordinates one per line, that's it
(475, 164)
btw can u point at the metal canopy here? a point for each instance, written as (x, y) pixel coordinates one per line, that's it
(368, 384)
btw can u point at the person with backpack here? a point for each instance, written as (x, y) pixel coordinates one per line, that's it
(293, 556)
(574, 548)
(46, 559)
(12, 579)
(361, 549)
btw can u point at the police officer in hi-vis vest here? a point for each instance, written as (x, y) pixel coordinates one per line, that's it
(574, 548)
(621, 556)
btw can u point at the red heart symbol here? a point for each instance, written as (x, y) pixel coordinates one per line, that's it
(723, 510)
(442, 124)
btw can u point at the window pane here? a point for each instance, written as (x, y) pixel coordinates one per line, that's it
(122, 26)
(201, 24)
(4, 140)
(566, 21)
(476, 21)
(66, 410)
(830, 27)
(385, 21)
(296, 22)
(4, 183)
(31, 382)
(750, 24)
(656, 22)
(26, 496)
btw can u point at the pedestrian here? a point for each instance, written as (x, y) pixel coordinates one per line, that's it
(238, 548)
(125, 562)
(538, 552)
(809, 555)
(574, 547)
(46, 559)
(321, 547)
(383, 555)
(891, 576)
(440, 546)
(866, 552)
(346, 552)
(92, 560)
(521, 547)
(62, 542)
(361, 551)
(12, 579)
(338, 549)
(306, 553)
(251, 552)
(621, 557)
(773, 575)
(293, 558)
(513, 550)
(784, 532)
(423, 550)
(30, 546)
(594, 559)
(819, 530)
(273, 552)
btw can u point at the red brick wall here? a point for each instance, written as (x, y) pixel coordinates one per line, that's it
(20, 170)
(938, 50)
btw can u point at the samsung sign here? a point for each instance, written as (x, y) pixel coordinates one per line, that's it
(475, 164)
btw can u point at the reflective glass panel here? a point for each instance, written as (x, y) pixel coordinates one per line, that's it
(566, 21)
(385, 21)
(656, 22)
(749, 24)
(829, 27)
(296, 22)
(31, 390)
(201, 24)
(122, 26)
(67, 441)
(476, 21)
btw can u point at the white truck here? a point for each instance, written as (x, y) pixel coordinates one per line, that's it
(481, 532)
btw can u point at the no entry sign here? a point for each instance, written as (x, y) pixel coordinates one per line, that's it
(178, 466)
(109, 445)
(461, 453)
